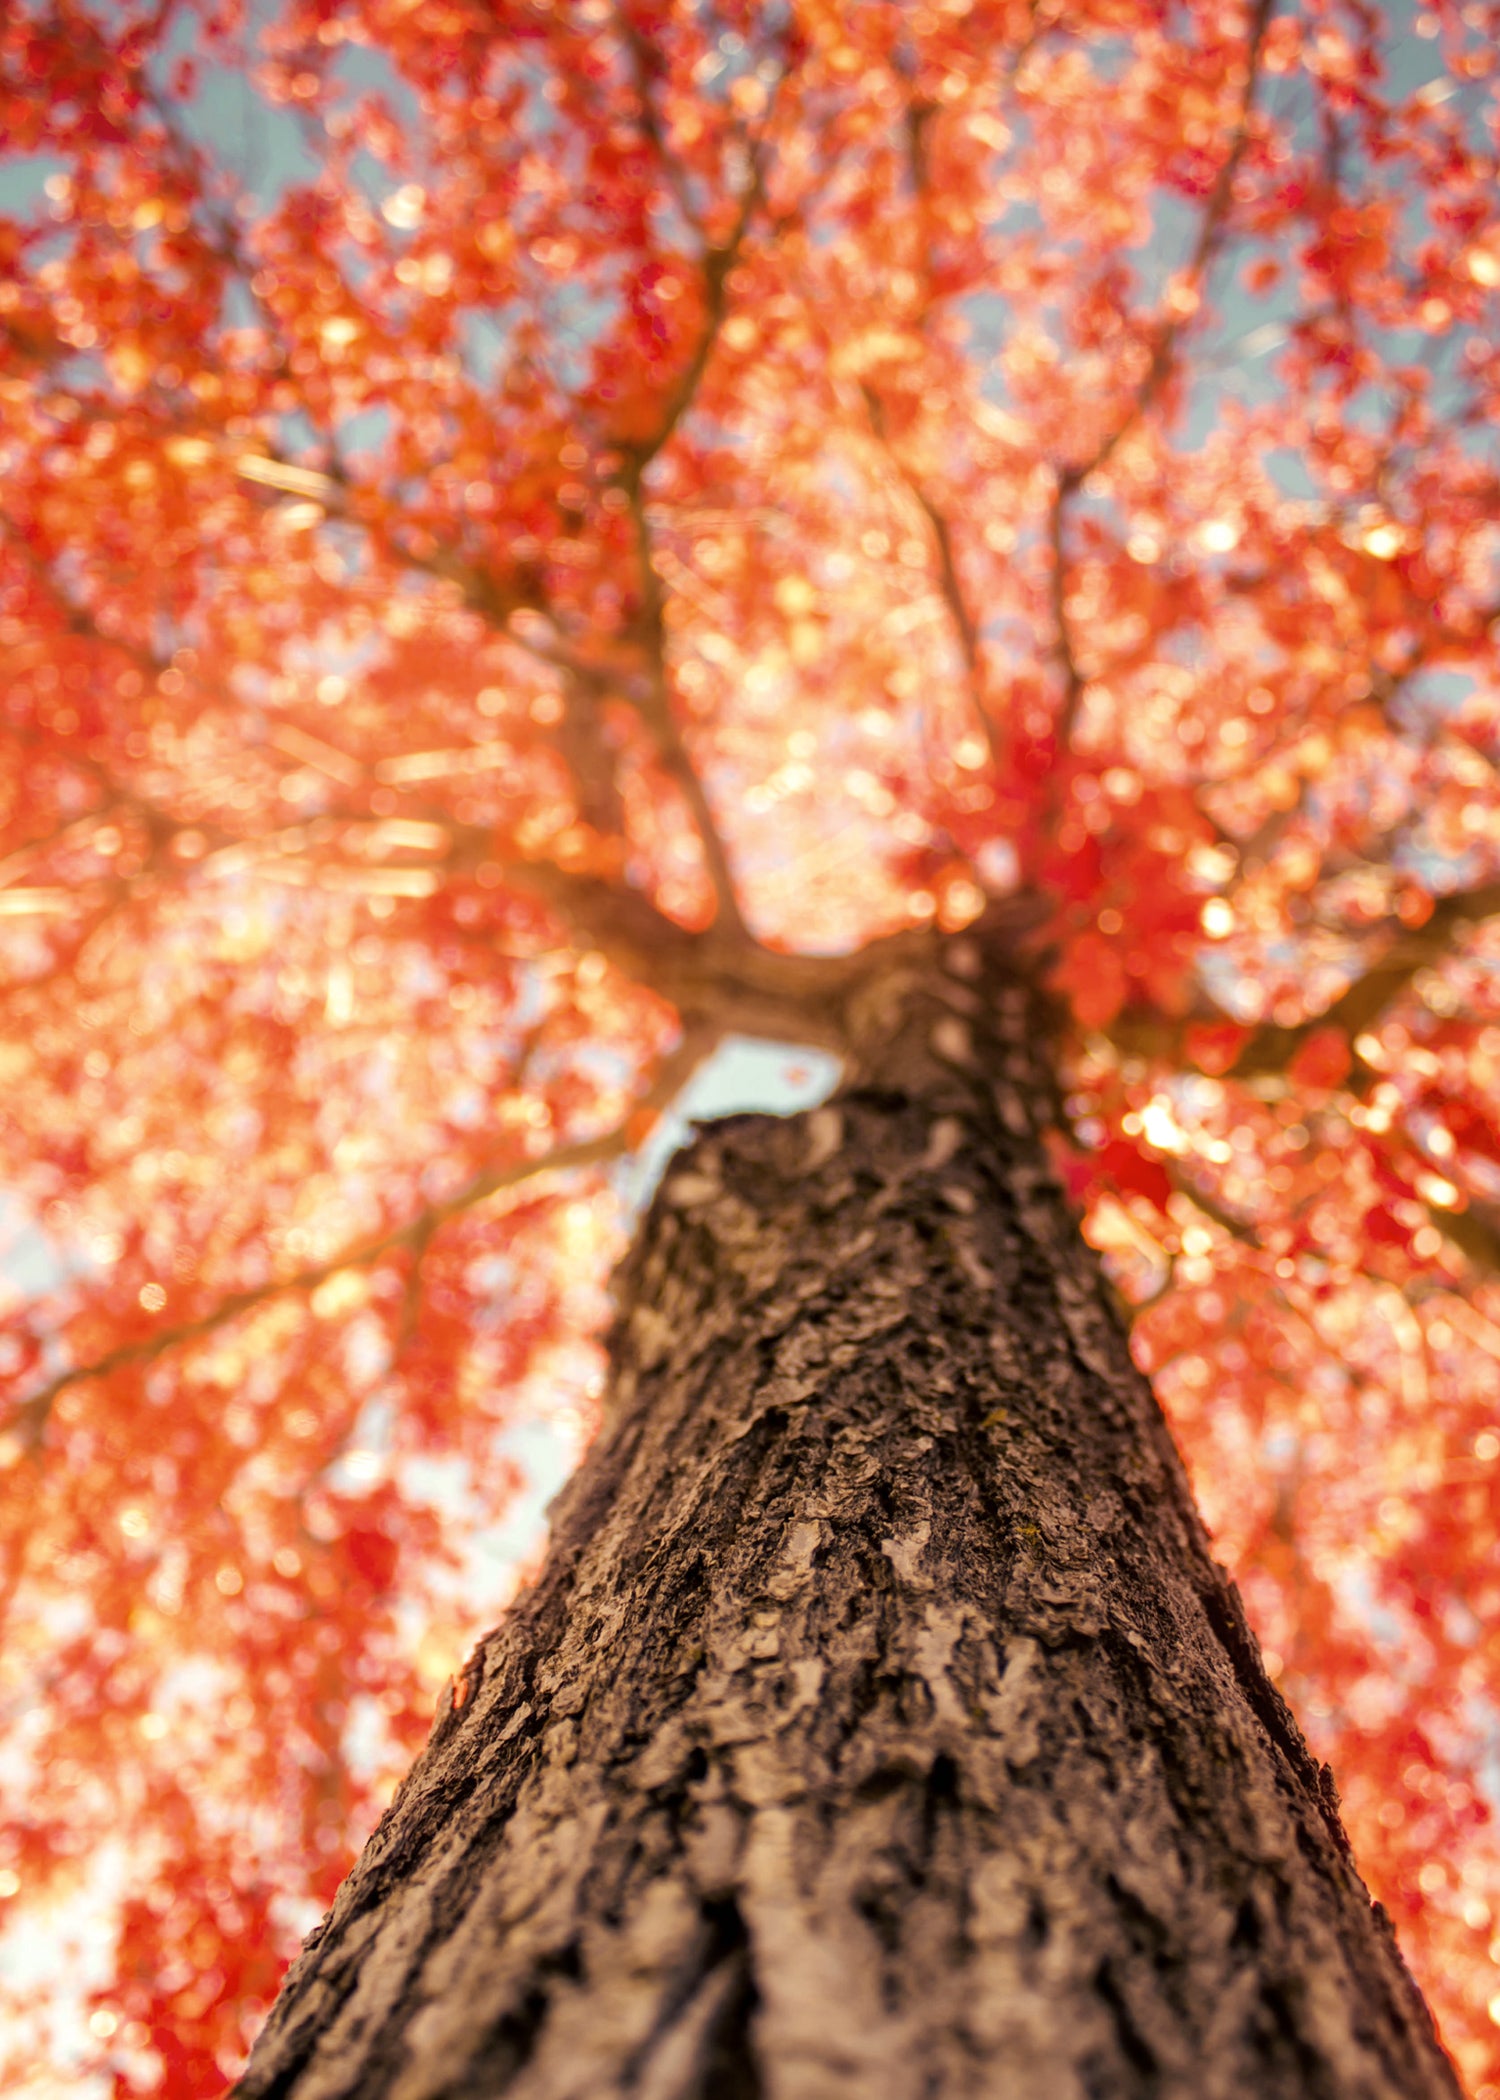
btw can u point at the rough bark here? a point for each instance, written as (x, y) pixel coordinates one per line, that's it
(880, 1725)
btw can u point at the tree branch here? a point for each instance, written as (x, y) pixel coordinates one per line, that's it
(1163, 349)
(949, 583)
(660, 720)
(1062, 629)
(656, 705)
(643, 685)
(413, 1234)
(1210, 237)
(644, 62)
(716, 264)
(1474, 1231)
(1272, 1048)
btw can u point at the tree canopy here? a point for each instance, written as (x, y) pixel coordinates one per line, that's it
(532, 534)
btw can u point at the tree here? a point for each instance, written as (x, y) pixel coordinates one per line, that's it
(879, 1723)
(537, 539)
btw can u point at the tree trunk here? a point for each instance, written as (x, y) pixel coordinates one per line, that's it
(880, 1726)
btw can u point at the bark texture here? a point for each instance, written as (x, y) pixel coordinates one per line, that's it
(880, 1725)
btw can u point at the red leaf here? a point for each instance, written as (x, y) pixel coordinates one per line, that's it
(374, 1555)
(1324, 1060)
(1213, 1046)
(1133, 1173)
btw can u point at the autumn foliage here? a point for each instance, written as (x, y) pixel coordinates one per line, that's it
(502, 504)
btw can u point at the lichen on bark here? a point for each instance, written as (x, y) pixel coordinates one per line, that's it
(880, 1724)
